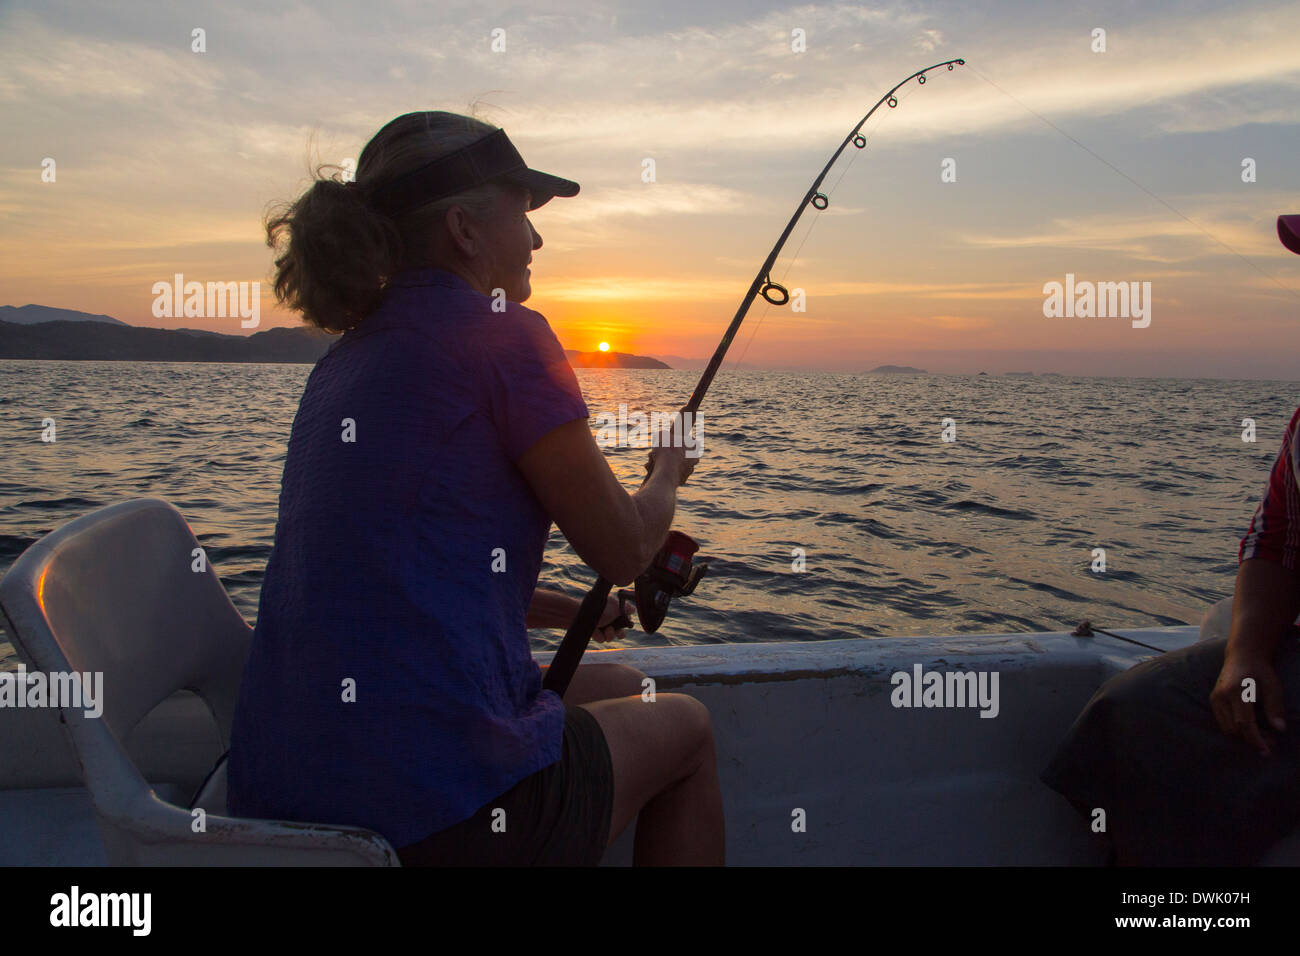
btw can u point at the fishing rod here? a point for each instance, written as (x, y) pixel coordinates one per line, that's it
(671, 573)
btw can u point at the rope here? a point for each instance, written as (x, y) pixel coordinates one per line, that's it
(1085, 629)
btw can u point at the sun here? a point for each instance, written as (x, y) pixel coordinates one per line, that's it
(603, 346)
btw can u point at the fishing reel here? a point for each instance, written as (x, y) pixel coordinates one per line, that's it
(671, 574)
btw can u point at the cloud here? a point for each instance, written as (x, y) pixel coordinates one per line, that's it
(647, 199)
(957, 323)
(1155, 237)
(167, 158)
(638, 288)
(929, 40)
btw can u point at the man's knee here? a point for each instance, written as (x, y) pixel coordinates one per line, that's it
(1124, 698)
(1165, 683)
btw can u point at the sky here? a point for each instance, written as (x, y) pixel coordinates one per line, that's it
(1115, 165)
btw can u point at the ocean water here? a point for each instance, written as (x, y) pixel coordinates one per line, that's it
(901, 533)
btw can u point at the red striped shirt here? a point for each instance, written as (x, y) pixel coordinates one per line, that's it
(1275, 529)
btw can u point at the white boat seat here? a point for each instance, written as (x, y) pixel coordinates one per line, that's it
(211, 795)
(114, 592)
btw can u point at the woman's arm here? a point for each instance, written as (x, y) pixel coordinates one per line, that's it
(551, 609)
(615, 533)
(557, 609)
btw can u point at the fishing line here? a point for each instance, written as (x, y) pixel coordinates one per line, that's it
(813, 223)
(1167, 205)
(671, 572)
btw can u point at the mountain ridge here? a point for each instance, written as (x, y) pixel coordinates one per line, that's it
(50, 334)
(31, 314)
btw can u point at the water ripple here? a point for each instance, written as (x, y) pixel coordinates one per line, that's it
(830, 503)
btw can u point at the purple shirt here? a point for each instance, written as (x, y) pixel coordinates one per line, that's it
(404, 563)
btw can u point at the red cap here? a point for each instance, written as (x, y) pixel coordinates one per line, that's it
(1288, 230)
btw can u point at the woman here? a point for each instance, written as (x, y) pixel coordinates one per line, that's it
(390, 683)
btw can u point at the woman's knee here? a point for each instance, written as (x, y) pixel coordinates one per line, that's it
(653, 745)
(627, 674)
(696, 723)
(621, 680)
(604, 681)
(668, 731)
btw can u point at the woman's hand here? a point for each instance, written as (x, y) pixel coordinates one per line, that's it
(613, 610)
(672, 459)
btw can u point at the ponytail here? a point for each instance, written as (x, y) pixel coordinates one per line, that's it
(336, 253)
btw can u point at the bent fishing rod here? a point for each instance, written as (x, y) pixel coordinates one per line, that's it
(665, 577)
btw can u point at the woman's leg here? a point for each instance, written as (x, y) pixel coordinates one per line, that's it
(665, 771)
(600, 681)
(665, 765)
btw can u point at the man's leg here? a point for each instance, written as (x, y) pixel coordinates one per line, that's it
(1176, 790)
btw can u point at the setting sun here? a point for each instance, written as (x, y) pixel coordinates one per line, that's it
(604, 346)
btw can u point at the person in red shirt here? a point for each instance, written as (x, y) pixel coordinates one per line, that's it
(1266, 602)
(1194, 756)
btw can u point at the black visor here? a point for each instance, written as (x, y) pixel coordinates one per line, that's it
(490, 159)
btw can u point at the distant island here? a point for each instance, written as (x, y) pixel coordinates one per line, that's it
(93, 340)
(43, 333)
(611, 360)
(897, 370)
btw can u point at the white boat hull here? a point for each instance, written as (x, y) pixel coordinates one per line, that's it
(800, 727)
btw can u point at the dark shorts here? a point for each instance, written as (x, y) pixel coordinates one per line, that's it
(559, 816)
(1177, 791)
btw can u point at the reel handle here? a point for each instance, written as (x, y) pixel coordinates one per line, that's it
(623, 622)
(565, 663)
